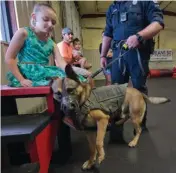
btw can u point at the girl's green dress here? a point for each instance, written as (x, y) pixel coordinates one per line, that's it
(33, 60)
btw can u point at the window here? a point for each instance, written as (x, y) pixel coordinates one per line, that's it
(4, 32)
(8, 20)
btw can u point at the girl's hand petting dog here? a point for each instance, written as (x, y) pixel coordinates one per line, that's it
(26, 83)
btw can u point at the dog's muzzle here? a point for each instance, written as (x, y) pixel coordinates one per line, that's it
(70, 107)
(69, 104)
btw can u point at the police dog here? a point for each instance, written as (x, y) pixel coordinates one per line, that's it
(133, 107)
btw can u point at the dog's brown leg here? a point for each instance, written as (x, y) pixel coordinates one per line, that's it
(138, 129)
(91, 137)
(102, 122)
(102, 126)
(137, 117)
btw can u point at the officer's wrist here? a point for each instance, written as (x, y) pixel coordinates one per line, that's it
(139, 38)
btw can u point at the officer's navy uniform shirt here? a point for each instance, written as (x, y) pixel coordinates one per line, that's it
(137, 17)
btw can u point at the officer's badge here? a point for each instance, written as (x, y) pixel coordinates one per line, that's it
(156, 3)
(135, 2)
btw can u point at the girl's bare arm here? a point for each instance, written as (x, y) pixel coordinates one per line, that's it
(60, 62)
(12, 51)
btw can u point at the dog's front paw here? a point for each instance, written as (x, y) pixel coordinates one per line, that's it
(132, 143)
(101, 158)
(88, 165)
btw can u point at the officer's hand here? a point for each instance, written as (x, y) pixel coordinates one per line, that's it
(103, 62)
(132, 42)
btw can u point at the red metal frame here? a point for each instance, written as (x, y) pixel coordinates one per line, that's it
(42, 147)
(24, 91)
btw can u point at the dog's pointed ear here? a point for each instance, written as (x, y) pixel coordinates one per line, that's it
(70, 73)
(57, 85)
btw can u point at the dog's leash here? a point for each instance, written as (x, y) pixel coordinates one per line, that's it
(124, 47)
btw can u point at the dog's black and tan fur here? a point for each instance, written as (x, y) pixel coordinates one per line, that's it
(134, 107)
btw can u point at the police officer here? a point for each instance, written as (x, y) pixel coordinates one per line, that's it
(136, 22)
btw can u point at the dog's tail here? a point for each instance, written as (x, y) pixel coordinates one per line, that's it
(156, 100)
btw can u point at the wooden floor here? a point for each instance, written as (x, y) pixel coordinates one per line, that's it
(156, 152)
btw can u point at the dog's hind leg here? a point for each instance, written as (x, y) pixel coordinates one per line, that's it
(137, 116)
(138, 130)
(91, 137)
(124, 114)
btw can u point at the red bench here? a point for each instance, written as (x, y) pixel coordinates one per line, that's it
(30, 92)
(41, 147)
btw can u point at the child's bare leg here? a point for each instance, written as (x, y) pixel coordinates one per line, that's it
(87, 65)
(107, 74)
(108, 79)
(84, 63)
(91, 82)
